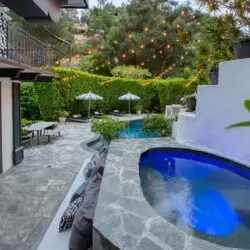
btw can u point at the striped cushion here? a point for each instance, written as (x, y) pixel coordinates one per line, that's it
(69, 214)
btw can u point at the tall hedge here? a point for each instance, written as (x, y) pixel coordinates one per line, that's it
(61, 93)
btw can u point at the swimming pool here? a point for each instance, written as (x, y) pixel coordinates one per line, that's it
(134, 130)
(202, 194)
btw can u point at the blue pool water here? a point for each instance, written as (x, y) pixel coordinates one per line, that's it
(204, 195)
(133, 130)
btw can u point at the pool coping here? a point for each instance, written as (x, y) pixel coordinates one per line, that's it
(123, 218)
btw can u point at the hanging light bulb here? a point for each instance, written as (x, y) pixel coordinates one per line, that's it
(115, 42)
(164, 33)
(89, 52)
(101, 47)
(163, 21)
(132, 51)
(129, 36)
(146, 29)
(124, 55)
(183, 12)
(168, 46)
(154, 56)
(152, 40)
(177, 26)
(160, 51)
(142, 64)
(142, 46)
(182, 57)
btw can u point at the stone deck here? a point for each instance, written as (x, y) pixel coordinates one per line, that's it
(31, 192)
(123, 218)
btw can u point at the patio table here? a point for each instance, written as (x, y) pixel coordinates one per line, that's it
(39, 127)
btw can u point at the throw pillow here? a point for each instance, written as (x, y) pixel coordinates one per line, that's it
(69, 214)
(80, 191)
(88, 170)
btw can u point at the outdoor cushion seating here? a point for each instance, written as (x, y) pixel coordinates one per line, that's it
(98, 114)
(81, 234)
(79, 118)
(80, 191)
(117, 113)
(69, 214)
(88, 170)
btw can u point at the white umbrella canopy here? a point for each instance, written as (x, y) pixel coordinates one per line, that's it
(129, 97)
(89, 96)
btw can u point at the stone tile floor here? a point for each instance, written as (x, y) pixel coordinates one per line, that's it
(31, 192)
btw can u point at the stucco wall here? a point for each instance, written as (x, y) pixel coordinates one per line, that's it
(7, 123)
(217, 107)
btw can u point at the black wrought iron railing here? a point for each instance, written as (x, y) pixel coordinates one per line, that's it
(20, 46)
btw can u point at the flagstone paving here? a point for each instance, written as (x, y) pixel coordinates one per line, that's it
(31, 192)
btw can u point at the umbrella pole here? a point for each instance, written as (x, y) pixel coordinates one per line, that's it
(89, 107)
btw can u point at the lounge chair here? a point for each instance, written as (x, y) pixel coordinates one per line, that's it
(117, 113)
(79, 118)
(98, 115)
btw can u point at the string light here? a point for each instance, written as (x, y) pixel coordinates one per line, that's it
(142, 46)
(89, 52)
(182, 57)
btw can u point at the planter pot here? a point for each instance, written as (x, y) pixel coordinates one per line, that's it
(242, 49)
(214, 75)
(62, 119)
(138, 112)
(191, 104)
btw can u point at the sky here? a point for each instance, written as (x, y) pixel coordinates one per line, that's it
(118, 2)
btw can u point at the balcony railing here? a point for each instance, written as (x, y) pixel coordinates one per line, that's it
(19, 46)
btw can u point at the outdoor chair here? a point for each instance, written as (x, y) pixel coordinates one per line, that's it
(79, 118)
(98, 115)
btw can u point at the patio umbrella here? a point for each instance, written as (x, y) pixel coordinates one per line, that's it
(89, 96)
(129, 97)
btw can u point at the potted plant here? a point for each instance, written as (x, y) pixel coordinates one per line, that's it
(214, 74)
(138, 108)
(63, 116)
(242, 48)
(190, 101)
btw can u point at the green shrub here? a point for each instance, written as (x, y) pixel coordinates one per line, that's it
(157, 123)
(61, 93)
(131, 72)
(29, 103)
(108, 127)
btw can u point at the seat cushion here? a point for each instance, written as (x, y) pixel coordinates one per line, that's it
(88, 170)
(80, 191)
(69, 214)
(81, 235)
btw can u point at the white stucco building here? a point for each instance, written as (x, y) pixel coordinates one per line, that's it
(219, 106)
